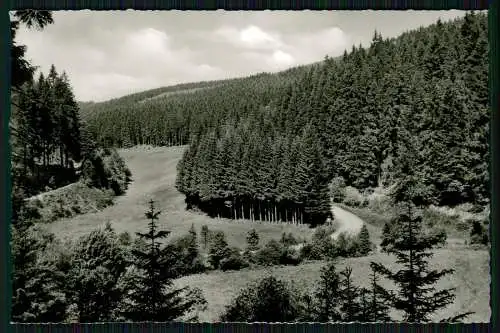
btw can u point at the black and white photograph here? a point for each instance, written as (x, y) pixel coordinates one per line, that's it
(250, 166)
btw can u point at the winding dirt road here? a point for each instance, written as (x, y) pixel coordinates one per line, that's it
(346, 222)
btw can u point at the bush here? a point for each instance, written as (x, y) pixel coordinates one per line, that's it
(290, 256)
(106, 169)
(186, 255)
(288, 239)
(348, 246)
(270, 254)
(234, 261)
(370, 216)
(270, 300)
(435, 218)
(321, 246)
(354, 198)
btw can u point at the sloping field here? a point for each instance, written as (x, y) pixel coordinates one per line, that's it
(153, 177)
(471, 278)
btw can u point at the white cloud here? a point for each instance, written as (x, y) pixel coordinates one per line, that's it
(148, 41)
(251, 37)
(281, 59)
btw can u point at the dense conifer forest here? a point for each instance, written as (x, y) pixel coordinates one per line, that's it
(267, 146)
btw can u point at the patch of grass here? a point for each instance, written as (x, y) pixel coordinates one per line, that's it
(70, 200)
(471, 279)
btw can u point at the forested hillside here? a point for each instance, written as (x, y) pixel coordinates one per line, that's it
(51, 146)
(167, 116)
(266, 147)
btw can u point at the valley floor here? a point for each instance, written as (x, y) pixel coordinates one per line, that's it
(154, 172)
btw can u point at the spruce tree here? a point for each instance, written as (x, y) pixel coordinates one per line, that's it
(153, 296)
(350, 307)
(327, 295)
(37, 281)
(253, 240)
(365, 244)
(416, 297)
(219, 249)
(378, 307)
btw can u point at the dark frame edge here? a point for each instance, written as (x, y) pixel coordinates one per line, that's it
(494, 76)
(5, 205)
(252, 5)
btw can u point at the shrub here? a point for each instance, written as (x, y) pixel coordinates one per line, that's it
(106, 169)
(288, 239)
(321, 245)
(270, 300)
(290, 256)
(347, 246)
(187, 256)
(353, 197)
(270, 254)
(125, 239)
(234, 261)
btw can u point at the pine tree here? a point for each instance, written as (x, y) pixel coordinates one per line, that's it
(417, 297)
(253, 240)
(350, 307)
(153, 297)
(365, 245)
(386, 236)
(378, 308)
(327, 295)
(219, 249)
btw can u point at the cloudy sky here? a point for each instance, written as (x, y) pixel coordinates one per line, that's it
(111, 54)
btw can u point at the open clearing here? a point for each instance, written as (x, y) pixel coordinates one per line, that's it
(153, 177)
(154, 172)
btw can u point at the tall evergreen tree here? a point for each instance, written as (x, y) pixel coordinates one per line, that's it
(154, 298)
(350, 307)
(417, 297)
(378, 307)
(365, 245)
(327, 295)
